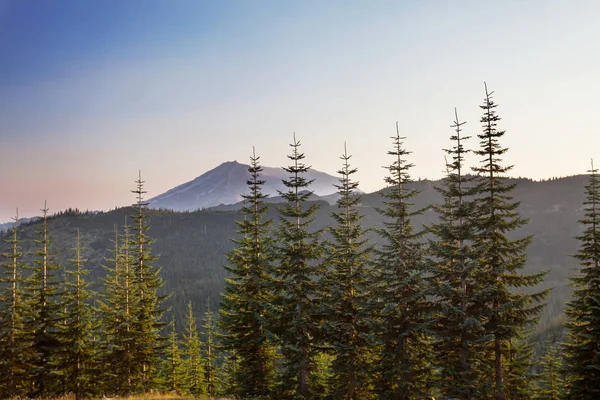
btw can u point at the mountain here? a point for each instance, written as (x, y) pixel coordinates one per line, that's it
(8, 225)
(225, 184)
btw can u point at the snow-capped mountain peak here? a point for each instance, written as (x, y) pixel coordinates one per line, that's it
(226, 183)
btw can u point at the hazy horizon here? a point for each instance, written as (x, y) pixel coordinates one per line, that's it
(92, 92)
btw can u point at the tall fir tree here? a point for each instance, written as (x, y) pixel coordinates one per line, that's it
(582, 350)
(247, 294)
(399, 292)
(346, 312)
(44, 318)
(117, 319)
(501, 259)
(80, 352)
(210, 356)
(550, 380)
(15, 345)
(174, 374)
(149, 343)
(297, 253)
(193, 359)
(455, 282)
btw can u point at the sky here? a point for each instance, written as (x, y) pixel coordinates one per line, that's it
(93, 91)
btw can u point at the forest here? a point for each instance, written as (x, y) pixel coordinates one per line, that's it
(415, 308)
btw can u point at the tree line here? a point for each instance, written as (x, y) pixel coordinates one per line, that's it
(318, 314)
(58, 337)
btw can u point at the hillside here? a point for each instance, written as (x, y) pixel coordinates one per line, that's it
(192, 245)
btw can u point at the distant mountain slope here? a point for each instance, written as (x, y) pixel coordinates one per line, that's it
(226, 183)
(6, 226)
(192, 245)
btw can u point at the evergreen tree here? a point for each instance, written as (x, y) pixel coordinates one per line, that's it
(15, 345)
(582, 350)
(228, 372)
(297, 252)
(403, 366)
(194, 367)
(210, 356)
(518, 370)
(346, 313)
(44, 317)
(501, 259)
(174, 373)
(80, 354)
(117, 319)
(550, 382)
(459, 333)
(247, 295)
(148, 343)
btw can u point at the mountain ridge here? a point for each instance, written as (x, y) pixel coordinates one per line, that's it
(193, 245)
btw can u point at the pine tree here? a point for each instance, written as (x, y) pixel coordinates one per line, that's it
(117, 319)
(44, 317)
(297, 254)
(228, 376)
(501, 259)
(582, 350)
(147, 314)
(15, 345)
(346, 313)
(404, 370)
(459, 318)
(80, 354)
(550, 382)
(210, 356)
(174, 373)
(247, 295)
(518, 368)
(194, 367)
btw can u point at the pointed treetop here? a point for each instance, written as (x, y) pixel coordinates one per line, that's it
(16, 219)
(593, 170)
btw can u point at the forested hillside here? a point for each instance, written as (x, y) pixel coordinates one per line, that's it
(192, 245)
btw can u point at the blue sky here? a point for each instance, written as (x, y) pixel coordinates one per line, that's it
(92, 91)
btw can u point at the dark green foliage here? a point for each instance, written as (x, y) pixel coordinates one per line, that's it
(345, 307)
(44, 315)
(210, 356)
(247, 295)
(148, 310)
(80, 353)
(192, 246)
(15, 344)
(455, 282)
(174, 374)
(117, 320)
(550, 381)
(501, 259)
(518, 377)
(297, 252)
(192, 352)
(582, 350)
(404, 370)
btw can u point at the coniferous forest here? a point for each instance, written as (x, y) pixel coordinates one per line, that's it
(345, 311)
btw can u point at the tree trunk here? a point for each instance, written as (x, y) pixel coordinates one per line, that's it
(499, 373)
